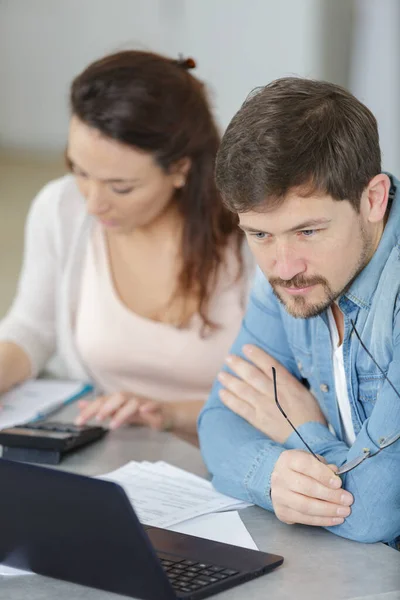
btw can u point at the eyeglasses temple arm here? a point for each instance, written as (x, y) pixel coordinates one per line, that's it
(287, 418)
(373, 360)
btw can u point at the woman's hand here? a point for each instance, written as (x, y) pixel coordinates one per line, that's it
(250, 394)
(123, 408)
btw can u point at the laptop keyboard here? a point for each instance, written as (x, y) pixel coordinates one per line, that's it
(190, 576)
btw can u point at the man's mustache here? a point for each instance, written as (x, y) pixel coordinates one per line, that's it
(297, 282)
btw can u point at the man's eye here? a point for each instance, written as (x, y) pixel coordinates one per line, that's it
(259, 235)
(308, 232)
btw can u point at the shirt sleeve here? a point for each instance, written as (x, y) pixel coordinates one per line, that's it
(239, 457)
(30, 322)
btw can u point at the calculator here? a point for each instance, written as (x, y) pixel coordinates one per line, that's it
(46, 442)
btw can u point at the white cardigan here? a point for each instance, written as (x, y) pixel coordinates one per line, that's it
(41, 318)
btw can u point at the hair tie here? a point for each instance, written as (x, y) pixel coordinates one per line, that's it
(185, 63)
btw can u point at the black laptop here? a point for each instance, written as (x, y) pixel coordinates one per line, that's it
(84, 530)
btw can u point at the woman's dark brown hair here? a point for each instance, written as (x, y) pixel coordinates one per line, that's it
(153, 103)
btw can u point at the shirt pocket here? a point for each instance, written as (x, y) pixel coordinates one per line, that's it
(369, 385)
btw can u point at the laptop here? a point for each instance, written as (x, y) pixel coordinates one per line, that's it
(85, 530)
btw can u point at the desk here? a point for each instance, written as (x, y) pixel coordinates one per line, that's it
(318, 565)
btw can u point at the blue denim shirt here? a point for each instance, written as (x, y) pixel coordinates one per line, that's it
(241, 458)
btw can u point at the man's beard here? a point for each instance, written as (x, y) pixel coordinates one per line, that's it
(299, 307)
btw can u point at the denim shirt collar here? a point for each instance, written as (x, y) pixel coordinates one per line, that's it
(363, 288)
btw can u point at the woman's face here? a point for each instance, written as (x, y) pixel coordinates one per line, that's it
(124, 187)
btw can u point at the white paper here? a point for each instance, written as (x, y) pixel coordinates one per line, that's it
(11, 572)
(225, 527)
(163, 495)
(167, 469)
(24, 402)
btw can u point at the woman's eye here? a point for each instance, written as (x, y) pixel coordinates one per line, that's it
(122, 191)
(78, 173)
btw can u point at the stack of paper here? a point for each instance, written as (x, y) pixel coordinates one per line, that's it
(163, 495)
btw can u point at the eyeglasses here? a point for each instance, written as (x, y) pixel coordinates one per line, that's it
(383, 443)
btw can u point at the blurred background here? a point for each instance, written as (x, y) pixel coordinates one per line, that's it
(237, 44)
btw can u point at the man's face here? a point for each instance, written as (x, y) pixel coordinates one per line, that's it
(310, 249)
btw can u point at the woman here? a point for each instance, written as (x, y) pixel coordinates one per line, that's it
(133, 272)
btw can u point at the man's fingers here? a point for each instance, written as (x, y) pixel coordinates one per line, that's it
(262, 360)
(308, 505)
(250, 374)
(311, 488)
(304, 490)
(240, 388)
(302, 483)
(290, 516)
(333, 468)
(306, 463)
(237, 405)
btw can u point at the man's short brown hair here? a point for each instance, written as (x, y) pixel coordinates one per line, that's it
(297, 133)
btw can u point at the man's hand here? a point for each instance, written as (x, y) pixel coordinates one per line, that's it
(250, 394)
(306, 491)
(123, 409)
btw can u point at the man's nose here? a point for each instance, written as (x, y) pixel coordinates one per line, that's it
(288, 263)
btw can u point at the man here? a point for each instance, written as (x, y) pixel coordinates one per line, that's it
(300, 163)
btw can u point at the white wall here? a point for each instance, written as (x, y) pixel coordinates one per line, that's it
(375, 71)
(242, 44)
(45, 43)
(238, 45)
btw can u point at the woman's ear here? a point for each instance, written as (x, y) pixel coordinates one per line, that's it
(180, 171)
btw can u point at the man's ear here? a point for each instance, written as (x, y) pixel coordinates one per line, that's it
(375, 198)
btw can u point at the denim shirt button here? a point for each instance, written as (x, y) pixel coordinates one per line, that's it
(299, 365)
(324, 388)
